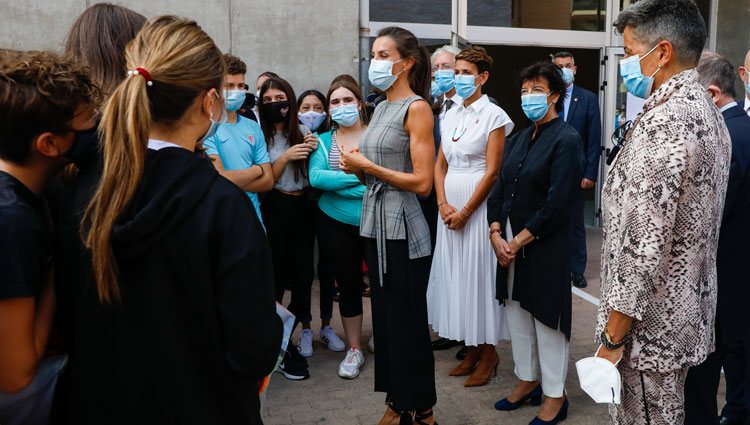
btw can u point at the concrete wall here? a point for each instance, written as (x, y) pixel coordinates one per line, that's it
(306, 42)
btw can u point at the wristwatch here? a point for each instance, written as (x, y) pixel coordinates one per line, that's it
(607, 342)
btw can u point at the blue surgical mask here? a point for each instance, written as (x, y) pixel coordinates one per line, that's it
(445, 79)
(233, 99)
(435, 90)
(345, 115)
(381, 73)
(535, 105)
(312, 119)
(568, 76)
(465, 86)
(635, 82)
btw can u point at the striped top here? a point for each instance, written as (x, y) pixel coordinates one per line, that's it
(334, 155)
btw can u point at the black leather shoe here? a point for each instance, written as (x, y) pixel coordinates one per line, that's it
(461, 354)
(579, 281)
(444, 344)
(723, 420)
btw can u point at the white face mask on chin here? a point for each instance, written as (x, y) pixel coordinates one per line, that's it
(600, 379)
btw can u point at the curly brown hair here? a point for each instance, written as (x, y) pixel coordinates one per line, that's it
(234, 65)
(478, 56)
(39, 92)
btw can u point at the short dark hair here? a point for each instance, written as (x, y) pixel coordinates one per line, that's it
(714, 69)
(563, 54)
(235, 65)
(39, 92)
(678, 21)
(478, 56)
(550, 72)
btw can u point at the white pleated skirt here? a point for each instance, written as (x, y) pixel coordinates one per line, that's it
(461, 302)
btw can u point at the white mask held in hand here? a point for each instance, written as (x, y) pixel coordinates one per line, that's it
(600, 379)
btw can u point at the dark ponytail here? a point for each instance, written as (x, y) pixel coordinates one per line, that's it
(409, 47)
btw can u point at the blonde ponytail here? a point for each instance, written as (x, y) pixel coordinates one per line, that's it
(183, 62)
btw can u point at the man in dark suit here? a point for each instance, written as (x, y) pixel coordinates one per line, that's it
(581, 110)
(744, 72)
(733, 307)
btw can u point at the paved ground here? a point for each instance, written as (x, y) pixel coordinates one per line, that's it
(327, 399)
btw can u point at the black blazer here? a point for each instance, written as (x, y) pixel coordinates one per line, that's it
(535, 189)
(734, 281)
(584, 117)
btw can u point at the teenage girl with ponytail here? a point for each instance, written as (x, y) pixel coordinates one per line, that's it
(395, 159)
(181, 325)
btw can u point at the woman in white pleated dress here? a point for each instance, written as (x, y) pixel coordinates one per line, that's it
(461, 294)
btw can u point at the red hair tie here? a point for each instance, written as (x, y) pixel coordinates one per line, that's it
(144, 73)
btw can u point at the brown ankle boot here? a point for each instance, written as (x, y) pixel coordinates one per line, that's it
(486, 368)
(468, 364)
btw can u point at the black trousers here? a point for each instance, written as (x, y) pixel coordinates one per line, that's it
(404, 363)
(578, 254)
(326, 277)
(702, 384)
(290, 225)
(341, 246)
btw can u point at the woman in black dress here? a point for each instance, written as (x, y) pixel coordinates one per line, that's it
(529, 217)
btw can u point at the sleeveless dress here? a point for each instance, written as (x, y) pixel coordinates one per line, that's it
(461, 294)
(397, 249)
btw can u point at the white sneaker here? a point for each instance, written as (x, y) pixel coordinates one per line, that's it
(349, 367)
(329, 338)
(305, 343)
(371, 345)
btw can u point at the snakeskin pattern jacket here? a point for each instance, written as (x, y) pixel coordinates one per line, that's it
(662, 204)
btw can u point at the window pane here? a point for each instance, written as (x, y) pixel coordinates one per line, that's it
(733, 33)
(578, 15)
(413, 11)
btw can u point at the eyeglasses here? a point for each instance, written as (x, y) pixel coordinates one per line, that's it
(618, 139)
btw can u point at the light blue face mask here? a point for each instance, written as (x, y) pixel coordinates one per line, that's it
(535, 105)
(465, 86)
(312, 119)
(434, 89)
(345, 115)
(445, 79)
(381, 73)
(233, 99)
(568, 76)
(635, 82)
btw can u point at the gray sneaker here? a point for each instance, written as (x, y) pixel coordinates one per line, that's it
(331, 340)
(349, 367)
(305, 343)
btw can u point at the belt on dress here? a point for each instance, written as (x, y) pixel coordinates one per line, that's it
(376, 190)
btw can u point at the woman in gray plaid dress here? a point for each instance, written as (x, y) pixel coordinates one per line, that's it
(395, 159)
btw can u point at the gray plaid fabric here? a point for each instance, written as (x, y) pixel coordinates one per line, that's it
(389, 212)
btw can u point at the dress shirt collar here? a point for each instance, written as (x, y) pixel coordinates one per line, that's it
(727, 106)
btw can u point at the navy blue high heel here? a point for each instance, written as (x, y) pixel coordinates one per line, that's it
(534, 397)
(561, 416)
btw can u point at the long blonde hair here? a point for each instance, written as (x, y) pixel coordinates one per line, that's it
(183, 63)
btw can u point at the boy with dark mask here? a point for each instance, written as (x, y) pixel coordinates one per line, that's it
(47, 113)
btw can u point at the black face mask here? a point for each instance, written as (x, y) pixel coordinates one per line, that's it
(276, 111)
(85, 147)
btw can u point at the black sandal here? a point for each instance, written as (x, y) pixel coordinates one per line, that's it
(419, 417)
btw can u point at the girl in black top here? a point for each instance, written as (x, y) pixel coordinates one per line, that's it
(181, 325)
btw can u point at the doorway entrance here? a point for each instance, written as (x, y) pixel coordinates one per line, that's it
(504, 86)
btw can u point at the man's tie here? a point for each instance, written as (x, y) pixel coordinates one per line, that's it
(448, 104)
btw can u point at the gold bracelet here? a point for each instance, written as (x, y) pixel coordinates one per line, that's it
(515, 238)
(493, 231)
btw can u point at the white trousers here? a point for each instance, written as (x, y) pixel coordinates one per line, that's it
(535, 346)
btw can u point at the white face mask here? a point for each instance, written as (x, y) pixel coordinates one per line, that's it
(600, 379)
